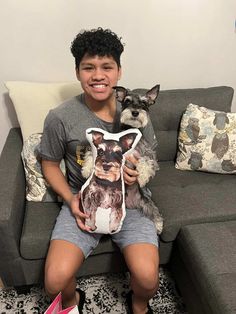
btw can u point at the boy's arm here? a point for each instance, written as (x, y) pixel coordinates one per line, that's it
(57, 180)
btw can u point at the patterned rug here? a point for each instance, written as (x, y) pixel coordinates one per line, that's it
(104, 294)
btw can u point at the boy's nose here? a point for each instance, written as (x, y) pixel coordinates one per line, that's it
(98, 74)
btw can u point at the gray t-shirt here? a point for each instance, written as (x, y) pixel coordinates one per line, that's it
(64, 135)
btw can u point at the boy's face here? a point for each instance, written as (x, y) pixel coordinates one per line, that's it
(97, 76)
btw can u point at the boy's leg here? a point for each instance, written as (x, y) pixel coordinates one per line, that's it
(63, 261)
(142, 260)
(138, 241)
(68, 248)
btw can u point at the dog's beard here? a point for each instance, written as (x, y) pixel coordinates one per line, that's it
(99, 196)
(108, 171)
(136, 122)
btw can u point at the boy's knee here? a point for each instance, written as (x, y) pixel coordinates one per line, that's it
(148, 279)
(56, 279)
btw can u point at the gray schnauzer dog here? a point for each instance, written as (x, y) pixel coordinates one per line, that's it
(135, 114)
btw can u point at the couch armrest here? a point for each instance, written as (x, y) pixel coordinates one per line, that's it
(12, 196)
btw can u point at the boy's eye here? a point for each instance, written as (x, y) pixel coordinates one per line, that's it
(87, 68)
(107, 67)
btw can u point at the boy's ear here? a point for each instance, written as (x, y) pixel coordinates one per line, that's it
(121, 93)
(77, 74)
(152, 94)
(120, 73)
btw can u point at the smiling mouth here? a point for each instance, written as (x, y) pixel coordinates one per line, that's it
(98, 86)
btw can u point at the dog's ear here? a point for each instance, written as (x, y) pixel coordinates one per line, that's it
(127, 141)
(121, 93)
(152, 94)
(97, 137)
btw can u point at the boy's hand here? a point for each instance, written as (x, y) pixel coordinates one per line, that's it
(80, 216)
(130, 173)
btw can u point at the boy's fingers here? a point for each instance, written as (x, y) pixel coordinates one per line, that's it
(81, 214)
(129, 180)
(131, 158)
(82, 225)
(130, 172)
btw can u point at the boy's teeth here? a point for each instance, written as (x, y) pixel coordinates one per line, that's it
(99, 86)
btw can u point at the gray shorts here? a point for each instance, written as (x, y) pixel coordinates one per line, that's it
(135, 229)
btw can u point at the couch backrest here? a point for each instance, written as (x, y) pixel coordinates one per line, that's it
(170, 105)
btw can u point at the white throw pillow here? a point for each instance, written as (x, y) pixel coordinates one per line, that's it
(207, 140)
(32, 101)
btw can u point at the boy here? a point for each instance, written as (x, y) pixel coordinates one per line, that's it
(97, 60)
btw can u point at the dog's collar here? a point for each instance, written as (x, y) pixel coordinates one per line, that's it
(105, 182)
(125, 127)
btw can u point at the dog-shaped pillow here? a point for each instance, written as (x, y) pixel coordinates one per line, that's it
(103, 194)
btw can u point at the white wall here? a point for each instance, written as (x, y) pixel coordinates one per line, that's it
(179, 44)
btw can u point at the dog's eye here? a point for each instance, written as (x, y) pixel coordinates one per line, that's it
(100, 152)
(145, 104)
(127, 102)
(118, 155)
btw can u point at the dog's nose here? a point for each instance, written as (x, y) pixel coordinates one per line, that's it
(106, 167)
(135, 113)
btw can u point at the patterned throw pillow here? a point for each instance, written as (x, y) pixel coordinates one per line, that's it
(207, 140)
(37, 189)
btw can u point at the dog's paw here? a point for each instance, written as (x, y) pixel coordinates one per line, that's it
(159, 224)
(146, 168)
(142, 181)
(87, 167)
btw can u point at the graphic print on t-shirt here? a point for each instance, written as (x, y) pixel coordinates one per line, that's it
(80, 153)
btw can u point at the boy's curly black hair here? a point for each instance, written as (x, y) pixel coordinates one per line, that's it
(96, 42)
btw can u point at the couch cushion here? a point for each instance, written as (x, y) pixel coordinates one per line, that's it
(39, 220)
(38, 223)
(186, 197)
(166, 113)
(209, 253)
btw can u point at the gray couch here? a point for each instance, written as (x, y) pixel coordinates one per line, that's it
(184, 198)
